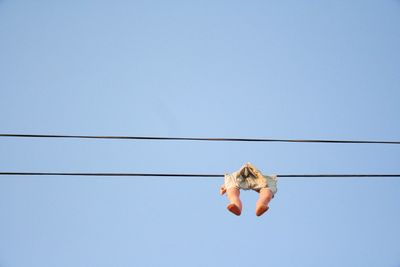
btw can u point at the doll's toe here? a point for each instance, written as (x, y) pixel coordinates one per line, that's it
(234, 209)
(261, 210)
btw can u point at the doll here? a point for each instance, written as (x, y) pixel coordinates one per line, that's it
(248, 178)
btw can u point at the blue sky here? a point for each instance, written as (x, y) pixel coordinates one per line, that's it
(260, 69)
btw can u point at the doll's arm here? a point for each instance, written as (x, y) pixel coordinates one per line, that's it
(222, 190)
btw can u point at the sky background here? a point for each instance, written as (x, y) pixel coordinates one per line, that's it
(255, 69)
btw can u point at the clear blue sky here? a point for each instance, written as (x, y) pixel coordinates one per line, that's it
(267, 69)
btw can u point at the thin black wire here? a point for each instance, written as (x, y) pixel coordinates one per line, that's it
(201, 139)
(192, 175)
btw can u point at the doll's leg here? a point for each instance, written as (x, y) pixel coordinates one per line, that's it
(264, 198)
(236, 205)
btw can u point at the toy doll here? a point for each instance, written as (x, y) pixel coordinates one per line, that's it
(248, 178)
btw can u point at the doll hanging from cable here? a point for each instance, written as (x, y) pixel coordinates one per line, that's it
(248, 178)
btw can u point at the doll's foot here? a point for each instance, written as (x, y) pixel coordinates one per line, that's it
(234, 209)
(261, 210)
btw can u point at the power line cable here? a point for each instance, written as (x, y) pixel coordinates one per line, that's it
(190, 175)
(201, 139)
